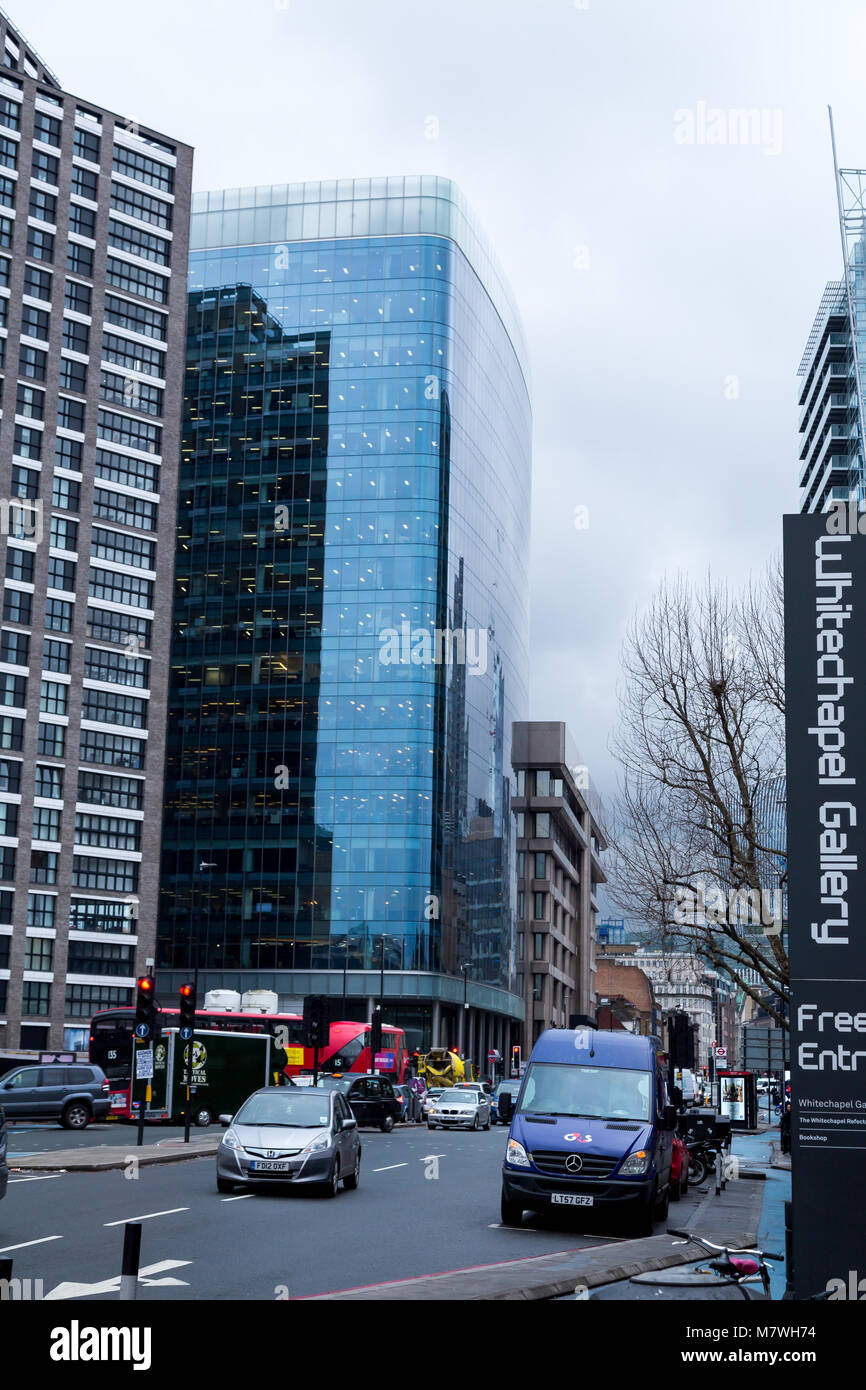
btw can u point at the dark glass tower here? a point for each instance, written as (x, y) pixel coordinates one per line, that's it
(350, 624)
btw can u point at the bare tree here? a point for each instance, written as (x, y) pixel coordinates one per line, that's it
(697, 854)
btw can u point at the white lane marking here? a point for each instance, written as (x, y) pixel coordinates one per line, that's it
(242, 1198)
(46, 1178)
(25, 1243)
(112, 1285)
(390, 1166)
(147, 1217)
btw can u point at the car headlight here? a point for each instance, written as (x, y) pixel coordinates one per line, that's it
(636, 1164)
(516, 1155)
(231, 1139)
(318, 1146)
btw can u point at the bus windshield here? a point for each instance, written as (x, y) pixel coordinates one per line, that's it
(111, 1046)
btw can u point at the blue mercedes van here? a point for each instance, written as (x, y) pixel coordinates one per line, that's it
(592, 1127)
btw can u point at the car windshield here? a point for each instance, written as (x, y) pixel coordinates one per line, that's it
(297, 1110)
(459, 1098)
(512, 1087)
(334, 1083)
(599, 1092)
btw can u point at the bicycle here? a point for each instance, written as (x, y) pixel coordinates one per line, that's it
(728, 1276)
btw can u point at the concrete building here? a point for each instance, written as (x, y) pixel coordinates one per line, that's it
(94, 212)
(624, 997)
(559, 845)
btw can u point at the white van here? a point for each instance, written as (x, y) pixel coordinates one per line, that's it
(685, 1079)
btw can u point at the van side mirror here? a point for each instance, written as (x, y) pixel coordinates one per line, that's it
(505, 1105)
(669, 1117)
(225, 1120)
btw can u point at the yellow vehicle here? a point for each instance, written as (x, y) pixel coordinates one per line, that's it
(440, 1067)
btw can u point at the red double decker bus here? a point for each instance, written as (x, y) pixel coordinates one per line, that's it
(348, 1047)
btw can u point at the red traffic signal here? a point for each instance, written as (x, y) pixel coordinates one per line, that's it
(187, 1010)
(145, 984)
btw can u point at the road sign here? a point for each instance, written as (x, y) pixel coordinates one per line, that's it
(144, 1064)
(186, 1034)
(722, 1054)
(384, 1061)
(493, 1055)
(142, 1030)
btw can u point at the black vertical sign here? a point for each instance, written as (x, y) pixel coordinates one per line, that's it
(825, 678)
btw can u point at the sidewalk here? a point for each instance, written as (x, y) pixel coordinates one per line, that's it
(763, 1151)
(101, 1158)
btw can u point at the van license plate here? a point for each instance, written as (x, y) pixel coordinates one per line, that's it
(566, 1199)
(267, 1166)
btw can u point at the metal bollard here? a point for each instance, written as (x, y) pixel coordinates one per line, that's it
(131, 1255)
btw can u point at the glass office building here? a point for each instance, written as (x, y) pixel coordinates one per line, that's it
(351, 611)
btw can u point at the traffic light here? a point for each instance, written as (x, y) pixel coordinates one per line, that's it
(145, 1010)
(187, 1011)
(376, 1033)
(515, 1059)
(316, 1020)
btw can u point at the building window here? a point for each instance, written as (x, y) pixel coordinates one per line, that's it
(83, 1001)
(70, 414)
(61, 574)
(73, 375)
(35, 999)
(521, 905)
(64, 534)
(48, 782)
(135, 279)
(19, 565)
(112, 587)
(67, 454)
(141, 205)
(38, 954)
(54, 697)
(538, 939)
(32, 363)
(138, 242)
(102, 789)
(118, 627)
(17, 606)
(76, 336)
(13, 690)
(128, 511)
(107, 832)
(85, 183)
(11, 733)
(109, 708)
(79, 259)
(43, 206)
(86, 145)
(116, 667)
(120, 468)
(150, 323)
(521, 945)
(47, 129)
(110, 875)
(542, 825)
(8, 819)
(28, 444)
(122, 549)
(58, 615)
(82, 221)
(77, 297)
(14, 648)
(100, 958)
(7, 862)
(10, 779)
(145, 170)
(10, 114)
(114, 750)
(52, 740)
(66, 494)
(45, 167)
(40, 244)
(38, 283)
(46, 824)
(128, 391)
(94, 914)
(537, 988)
(135, 434)
(540, 865)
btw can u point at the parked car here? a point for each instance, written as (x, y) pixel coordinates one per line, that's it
(291, 1134)
(513, 1088)
(679, 1169)
(592, 1128)
(371, 1098)
(404, 1096)
(460, 1108)
(428, 1098)
(4, 1167)
(72, 1094)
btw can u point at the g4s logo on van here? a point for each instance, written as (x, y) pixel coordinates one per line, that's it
(578, 1138)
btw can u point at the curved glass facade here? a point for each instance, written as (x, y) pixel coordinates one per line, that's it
(351, 616)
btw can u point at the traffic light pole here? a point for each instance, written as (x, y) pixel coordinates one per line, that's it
(140, 1140)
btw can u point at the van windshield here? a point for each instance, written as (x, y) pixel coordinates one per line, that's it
(609, 1093)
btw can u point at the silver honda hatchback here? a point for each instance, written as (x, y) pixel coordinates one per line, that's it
(296, 1135)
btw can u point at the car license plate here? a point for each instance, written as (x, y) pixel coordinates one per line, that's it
(267, 1165)
(567, 1199)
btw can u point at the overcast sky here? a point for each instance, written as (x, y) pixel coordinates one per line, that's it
(667, 287)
